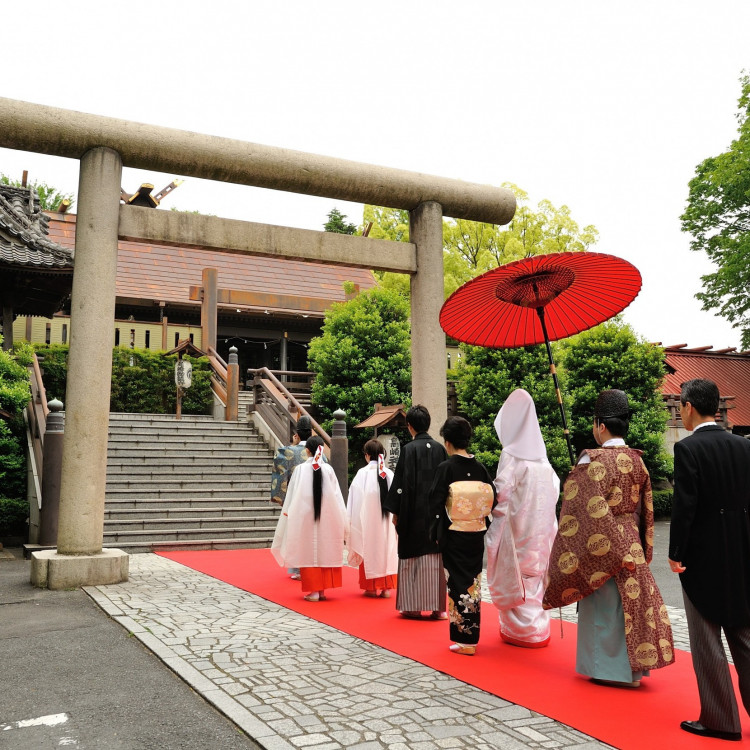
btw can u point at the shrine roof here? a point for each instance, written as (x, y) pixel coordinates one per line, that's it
(24, 228)
(160, 272)
(728, 368)
(384, 415)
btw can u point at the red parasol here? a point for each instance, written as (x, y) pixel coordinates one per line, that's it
(540, 299)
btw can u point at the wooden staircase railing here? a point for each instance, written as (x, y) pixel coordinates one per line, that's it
(278, 407)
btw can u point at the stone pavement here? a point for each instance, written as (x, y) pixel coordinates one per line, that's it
(290, 682)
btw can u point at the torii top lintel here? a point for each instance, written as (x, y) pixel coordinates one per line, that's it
(59, 132)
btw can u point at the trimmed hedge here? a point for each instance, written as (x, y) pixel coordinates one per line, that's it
(663, 503)
(142, 380)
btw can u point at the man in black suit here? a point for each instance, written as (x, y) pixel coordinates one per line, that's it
(709, 546)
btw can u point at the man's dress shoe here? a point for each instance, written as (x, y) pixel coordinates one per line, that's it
(695, 727)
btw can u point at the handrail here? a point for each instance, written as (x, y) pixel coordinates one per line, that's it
(36, 424)
(42, 391)
(262, 373)
(219, 375)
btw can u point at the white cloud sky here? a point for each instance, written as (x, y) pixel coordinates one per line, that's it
(606, 107)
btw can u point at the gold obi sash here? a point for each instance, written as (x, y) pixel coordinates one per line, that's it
(468, 504)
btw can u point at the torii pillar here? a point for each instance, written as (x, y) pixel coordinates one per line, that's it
(427, 337)
(79, 558)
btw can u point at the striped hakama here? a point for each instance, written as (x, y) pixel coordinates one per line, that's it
(421, 584)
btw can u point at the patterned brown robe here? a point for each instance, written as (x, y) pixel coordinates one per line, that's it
(607, 531)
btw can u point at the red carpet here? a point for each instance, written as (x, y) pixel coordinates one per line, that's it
(543, 680)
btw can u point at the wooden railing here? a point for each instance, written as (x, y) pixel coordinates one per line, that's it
(278, 407)
(36, 421)
(218, 375)
(672, 405)
(297, 382)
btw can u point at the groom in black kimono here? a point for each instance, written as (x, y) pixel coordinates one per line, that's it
(421, 578)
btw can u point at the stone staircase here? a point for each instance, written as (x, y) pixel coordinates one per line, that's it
(190, 484)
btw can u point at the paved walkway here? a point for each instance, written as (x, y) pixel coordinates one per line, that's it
(291, 682)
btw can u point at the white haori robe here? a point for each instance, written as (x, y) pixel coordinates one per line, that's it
(302, 542)
(373, 538)
(524, 523)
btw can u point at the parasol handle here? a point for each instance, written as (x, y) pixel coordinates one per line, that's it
(553, 371)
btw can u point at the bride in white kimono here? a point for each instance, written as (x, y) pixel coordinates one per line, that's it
(523, 526)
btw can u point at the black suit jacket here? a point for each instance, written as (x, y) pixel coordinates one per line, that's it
(409, 495)
(710, 530)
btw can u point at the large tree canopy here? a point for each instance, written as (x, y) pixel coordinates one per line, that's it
(471, 248)
(718, 218)
(487, 377)
(361, 358)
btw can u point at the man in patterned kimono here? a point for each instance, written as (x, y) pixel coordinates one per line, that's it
(601, 554)
(287, 457)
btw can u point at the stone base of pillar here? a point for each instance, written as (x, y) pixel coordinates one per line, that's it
(50, 570)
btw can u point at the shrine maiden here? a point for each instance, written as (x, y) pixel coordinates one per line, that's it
(373, 542)
(314, 526)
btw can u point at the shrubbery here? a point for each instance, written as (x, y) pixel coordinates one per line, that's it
(14, 395)
(142, 380)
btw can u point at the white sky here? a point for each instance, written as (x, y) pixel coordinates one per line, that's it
(606, 107)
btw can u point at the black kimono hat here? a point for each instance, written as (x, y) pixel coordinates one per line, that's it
(612, 403)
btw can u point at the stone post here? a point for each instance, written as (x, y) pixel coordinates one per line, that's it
(233, 385)
(79, 559)
(51, 470)
(340, 451)
(428, 375)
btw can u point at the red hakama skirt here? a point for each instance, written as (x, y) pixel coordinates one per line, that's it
(320, 579)
(376, 584)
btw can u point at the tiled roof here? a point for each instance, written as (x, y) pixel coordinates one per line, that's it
(23, 232)
(730, 370)
(165, 272)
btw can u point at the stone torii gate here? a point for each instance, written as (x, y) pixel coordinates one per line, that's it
(104, 145)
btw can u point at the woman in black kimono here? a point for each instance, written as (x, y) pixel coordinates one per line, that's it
(461, 501)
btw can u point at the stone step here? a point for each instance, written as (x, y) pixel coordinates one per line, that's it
(183, 436)
(257, 468)
(194, 535)
(193, 483)
(177, 483)
(193, 545)
(149, 453)
(118, 416)
(132, 501)
(186, 524)
(169, 494)
(185, 433)
(212, 511)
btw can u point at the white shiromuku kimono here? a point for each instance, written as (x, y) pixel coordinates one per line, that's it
(302, 542)
(524, 524)
(373, 537)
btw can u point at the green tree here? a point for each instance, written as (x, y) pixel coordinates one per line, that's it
(471, 248)
(718, 218)
(487, 377)
(50, 197)
(361, 358)
(14, 395)
(337, 223)
(612, 356)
